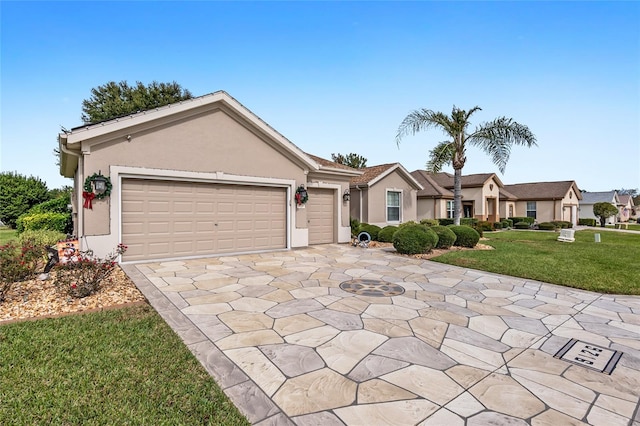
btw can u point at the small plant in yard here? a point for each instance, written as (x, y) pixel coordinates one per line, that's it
(414, 239)
(84, 275)
(465, 236)
(17, 262)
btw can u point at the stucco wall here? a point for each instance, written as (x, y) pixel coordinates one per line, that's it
(377, 206)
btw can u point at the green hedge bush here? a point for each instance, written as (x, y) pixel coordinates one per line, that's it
(466, 236)
(587, 222)
(469, 221)
(50, 220)
(446, 237)
(483, 225)
(562, 224)
(526, 219)
(445, 221)
(386, 234)
(521, 225)
(507, 223)
(498, 225)
(414, 239)
(355, 226)
(547, 226)
(372, 230)
(430, 222)
(41, 237)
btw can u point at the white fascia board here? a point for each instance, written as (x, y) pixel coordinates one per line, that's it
(402, 171)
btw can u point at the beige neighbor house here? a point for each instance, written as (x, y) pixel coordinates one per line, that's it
(384, 195)
(201, 177)
(626, 208)
(480, 195)
(590, 198)
(544, 201)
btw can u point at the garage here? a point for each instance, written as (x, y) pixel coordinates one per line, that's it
(321, 215)
(164, 219)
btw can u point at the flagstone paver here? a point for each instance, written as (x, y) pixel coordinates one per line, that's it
(458, 347)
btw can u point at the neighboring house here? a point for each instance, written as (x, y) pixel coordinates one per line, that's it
(626, 208)
(480, 195)
(590, 198)
(384, 195)
(544, 201)
(201, 177)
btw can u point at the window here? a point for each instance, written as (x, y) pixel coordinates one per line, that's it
(450, 209)
(531, 209)
(393, 206)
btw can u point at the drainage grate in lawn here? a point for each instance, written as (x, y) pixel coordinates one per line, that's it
(589, 355)
(375, 288)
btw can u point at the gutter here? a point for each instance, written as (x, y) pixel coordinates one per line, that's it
(77, 184)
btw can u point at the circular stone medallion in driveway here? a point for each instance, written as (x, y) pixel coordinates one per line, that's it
(376, 288)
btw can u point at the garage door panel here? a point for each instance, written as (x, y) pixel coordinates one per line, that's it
(162, 219)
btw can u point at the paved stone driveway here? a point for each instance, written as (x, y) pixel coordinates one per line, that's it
(289, 346)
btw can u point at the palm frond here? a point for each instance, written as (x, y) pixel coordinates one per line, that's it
(440, 156)
(497, 137)
(422, 119)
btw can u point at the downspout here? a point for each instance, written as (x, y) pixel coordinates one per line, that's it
(360, 201)
(78, 202)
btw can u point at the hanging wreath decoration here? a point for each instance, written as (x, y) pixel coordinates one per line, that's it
(88, 193)
(301, 195)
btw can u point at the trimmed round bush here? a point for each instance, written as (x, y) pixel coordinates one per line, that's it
(466, 236)
(430, 222)
(414, 239)
(547, 226)
(521, 225)
(41, 237)
(445, 221)
(386, 234)
(446, 237)
(372, 230)
(498, 225)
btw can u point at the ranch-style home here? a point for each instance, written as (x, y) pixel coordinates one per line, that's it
(544, 201)
(384, 195)
(590, 198)
(200, 177)
(480, 195)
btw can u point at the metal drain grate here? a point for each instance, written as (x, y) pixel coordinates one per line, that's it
(589, 355)
(375, 288)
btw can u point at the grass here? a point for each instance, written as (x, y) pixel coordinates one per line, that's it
(7, 234)
(123, 366)
(611, 266)
(630, 227)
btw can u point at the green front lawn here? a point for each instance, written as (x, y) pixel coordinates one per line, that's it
(630, 227)
(123, 366)
(611, 266)
(7, 234)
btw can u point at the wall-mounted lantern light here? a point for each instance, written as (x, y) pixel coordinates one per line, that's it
(99, 183)
(346, 196)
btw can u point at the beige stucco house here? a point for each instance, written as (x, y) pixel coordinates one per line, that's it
(384, 195)
(544, 201)
(201, 177)
(626, 208)
(480, 195)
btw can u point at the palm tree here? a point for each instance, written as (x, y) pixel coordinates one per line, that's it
(495, 138)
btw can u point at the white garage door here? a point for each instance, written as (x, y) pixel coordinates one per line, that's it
(321, 216)
(166, 219)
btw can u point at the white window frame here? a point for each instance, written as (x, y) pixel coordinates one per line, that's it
(399, 206)
(533, 210)
(450, 209)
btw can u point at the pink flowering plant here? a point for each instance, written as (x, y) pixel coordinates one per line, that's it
(18, 262)
(84, 275)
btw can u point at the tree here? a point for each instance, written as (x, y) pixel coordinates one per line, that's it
(495, 138)
(18, 194)
(116, 99)
(352, 160)
(604, 211)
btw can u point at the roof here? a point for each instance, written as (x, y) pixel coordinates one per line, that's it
(440, 185)
(332, 165)
(506, 195)
(626, 199)
(543, 190)
(372, 175)
(599, 197)
(70, 141)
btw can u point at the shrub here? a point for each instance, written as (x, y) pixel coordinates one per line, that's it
(446, 237)
(414, 239)
(498, 225)
(466, 236)
(17, 262)
(587, 222)
(547, 226)
(469, 221)
(355, 226)
(526, 219)
(386, 234)
(445, 222)
(507, 223)
(56, 205)
(483, 225)
(41, 237)
(18, 194)
(372, 230)
(85, 275)
(562, 224)
(521, 225)
(53, 221)
(430, 222)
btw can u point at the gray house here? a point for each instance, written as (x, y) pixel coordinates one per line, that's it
(590, 198)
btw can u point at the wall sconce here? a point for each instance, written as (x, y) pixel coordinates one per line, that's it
(100, 183)
(346, 196)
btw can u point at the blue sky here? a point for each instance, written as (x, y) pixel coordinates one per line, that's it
(340, 76)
